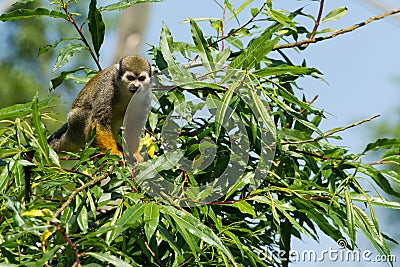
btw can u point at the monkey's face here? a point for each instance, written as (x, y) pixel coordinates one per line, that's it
(136, 81)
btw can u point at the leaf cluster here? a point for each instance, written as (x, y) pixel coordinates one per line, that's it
(89, 209)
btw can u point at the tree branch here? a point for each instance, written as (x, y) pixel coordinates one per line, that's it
(321, 7)
(329, 133)
(77, 191)
(339, 32)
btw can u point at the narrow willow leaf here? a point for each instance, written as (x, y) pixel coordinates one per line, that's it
(283, 69)
(151, 216)
(195, 227)
(96, 26)
(382, 143)
(66, 53)
(117, 262)
(20, 110)
(221, 58)
(166, 44)
(83, 219)
(124, 4)
(335, 14)
(376, 201)
(256, 50)
(221, 115)
(48, 255)
(45, 48)
(367, 226)
(39, 130)
(131, 215)
(202, 47)
(110, 234)
(30, 13)
(282, 19)
(66, 75)
(379, 179)
(261, 112)
(283, 207)
(240, 9)
(245, 207)
(178, 72)
(350, 217)
(315, 215)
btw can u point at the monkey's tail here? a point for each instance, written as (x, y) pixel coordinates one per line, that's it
(54, 139)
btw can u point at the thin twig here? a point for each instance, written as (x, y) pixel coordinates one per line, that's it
(309, 103)
(241, 27)
(77, 191)
(70, 243)
(329, 133)
(157, 139)
(339, 32)
(79, 30)
(321, 7)
(152, 253)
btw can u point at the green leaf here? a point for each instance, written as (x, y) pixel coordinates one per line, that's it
(283, 69)
(379, 179)
(130, 216)
(382, 143)
(30, 13)
(45, 48)
(240, 9)
(368, 227)
(376, 200)
(282, 19)
(202, 47)
(256, 50)
(39, 130)
(151, 216)
(335, 14)
(245, 207)
(262, 112)
(124, 4)
(47, 256)
(96, 26)
(57, 81)
(20, 110)
(66, 53)
(315, 214)
(195, 227)
(350, 216)
(221, 115)
(83, 219)
(117, 262)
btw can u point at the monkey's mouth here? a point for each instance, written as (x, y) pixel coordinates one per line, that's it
(134, 89)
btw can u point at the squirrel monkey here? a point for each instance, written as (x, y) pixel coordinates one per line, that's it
(102, 103)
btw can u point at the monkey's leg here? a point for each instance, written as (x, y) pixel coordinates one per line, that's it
(105, 139)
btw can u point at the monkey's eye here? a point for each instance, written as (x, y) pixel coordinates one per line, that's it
(142, 78)
(130, 77)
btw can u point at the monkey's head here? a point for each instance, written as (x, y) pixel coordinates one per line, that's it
(135, 72)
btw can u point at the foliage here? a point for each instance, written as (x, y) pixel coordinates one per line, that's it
(93, 212)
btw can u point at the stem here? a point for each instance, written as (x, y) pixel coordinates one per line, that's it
(329, 133)
(321, 7)
(339, 32)
(77, 191)
(79, 30)
(70, 243)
